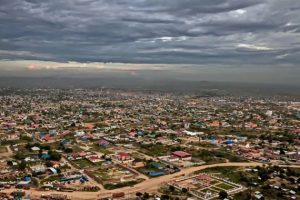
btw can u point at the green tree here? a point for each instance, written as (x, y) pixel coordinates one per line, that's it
(19, 156)
(48, 164)
(22, 165)
(68, 150)
(184, 190)
(165, 197)
(146, 195)
(223, 194)
(138, 194)
(54, 155)
(171, 188)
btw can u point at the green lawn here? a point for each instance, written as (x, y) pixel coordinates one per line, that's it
(220, 155)
(76, 148)
(154, 149)
(217, 189)
(102, 173)
(232, 173)
(225, 186)
(83, 163)
(97, 148)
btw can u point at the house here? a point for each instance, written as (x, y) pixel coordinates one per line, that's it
(132, 134)
(47, 138)
(153, 173)
(52, 132)
(214, 123)
(35, 148)
(123, 156)
(75, 156)
(52, 170)
(156, 165)
(182, 155)
(45, 156)
(138, 164)
(103, 143)
(258, 195)
(189, 133)
(229, 142)
(94, 158)
(250, 125)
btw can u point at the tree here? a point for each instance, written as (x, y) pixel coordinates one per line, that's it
(263, 174)
(138, 194)
(19, 156)
(223, 194)
(47, 147)
(48, 164)
(292, 180)
(184, 190)
(171, 188)
(54, 155)
(165, 197)
(146, 195)
(9, 162)
(68, 150)
(22, 165)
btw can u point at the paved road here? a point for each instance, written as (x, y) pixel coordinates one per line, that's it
(149, 185)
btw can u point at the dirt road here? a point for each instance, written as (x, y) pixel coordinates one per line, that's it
(146, 186)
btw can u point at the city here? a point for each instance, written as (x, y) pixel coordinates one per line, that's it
(105, 143)
(149, 100)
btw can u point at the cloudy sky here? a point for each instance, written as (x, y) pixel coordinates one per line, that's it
(251, 40)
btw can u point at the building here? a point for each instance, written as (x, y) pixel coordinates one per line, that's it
(182, 155)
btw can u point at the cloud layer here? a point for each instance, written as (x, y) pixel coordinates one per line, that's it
(265, 32)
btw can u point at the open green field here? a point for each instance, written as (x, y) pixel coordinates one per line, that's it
(97, 148)
(113, 172)
(224, 186)
(224, 172)
(102, 173)
(83, 163)
(217, 189)
(155, 149)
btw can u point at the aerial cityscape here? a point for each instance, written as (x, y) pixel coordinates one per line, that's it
(149, 100)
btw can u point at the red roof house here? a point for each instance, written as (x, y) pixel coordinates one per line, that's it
(181, 154)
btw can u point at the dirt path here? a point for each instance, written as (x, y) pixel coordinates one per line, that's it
(8, 152)
(149, 185)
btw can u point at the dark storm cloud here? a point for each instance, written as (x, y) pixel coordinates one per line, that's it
(152, 31)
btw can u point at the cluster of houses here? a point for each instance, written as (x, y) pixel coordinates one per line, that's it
(86, 130)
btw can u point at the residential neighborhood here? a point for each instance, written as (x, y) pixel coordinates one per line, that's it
(115, 144)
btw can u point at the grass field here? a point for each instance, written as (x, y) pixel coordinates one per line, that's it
(225, 186)
(83, 163)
